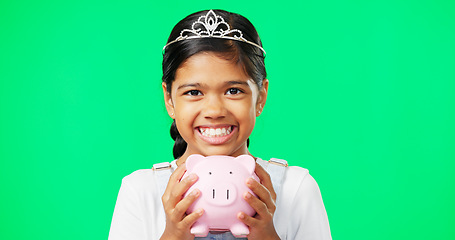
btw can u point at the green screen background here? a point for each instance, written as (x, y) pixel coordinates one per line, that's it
(362, 93)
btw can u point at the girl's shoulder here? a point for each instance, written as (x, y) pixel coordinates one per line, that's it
(142, 178)
(295, 182)
(139, 175)
(290, 171)
(149, 180)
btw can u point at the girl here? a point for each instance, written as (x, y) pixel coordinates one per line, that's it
(214, 85)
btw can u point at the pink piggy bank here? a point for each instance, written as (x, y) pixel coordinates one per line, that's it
(222, 185)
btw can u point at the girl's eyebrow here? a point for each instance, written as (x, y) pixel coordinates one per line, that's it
(228, 83)
(236, 83)
(189, 85)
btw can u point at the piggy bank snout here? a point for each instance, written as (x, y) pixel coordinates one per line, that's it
(221, 194)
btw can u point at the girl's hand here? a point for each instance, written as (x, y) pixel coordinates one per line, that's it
(261, 225)
(178, 223)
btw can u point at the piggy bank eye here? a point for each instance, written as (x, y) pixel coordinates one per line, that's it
(210, 173)
(230, 172)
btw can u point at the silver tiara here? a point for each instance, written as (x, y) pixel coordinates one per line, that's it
(212, 26)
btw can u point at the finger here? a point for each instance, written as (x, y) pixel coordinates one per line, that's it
(173, 180)
(180, 188)
(265, 180)
(248, 220)
(259, 206)
(177, 175)
(190, 219)
(262, 192)
(182, 206)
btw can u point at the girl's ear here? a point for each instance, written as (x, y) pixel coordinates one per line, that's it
(168, 101)
(262, 97)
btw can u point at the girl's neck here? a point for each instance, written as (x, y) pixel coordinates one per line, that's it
(181, 160)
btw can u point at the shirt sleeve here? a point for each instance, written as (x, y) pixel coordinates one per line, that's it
(127, 221)
(310, 217)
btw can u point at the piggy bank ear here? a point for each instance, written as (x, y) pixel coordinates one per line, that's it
(247, 161)
(192, 161)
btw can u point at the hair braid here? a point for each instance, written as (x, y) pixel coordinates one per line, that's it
(180, 144)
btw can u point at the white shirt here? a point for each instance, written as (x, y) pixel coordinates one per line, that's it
(300, 213)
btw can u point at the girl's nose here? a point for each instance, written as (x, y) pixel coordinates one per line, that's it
(214, 108)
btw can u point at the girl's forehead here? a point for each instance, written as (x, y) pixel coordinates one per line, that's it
(210, 68)
(213, 56)
(202, 59)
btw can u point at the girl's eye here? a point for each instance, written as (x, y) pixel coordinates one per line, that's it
(193, 93)
(233, 91)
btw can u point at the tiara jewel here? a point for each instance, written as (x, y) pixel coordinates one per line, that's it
(212, 26)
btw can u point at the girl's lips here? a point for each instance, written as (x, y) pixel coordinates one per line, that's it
(216, 135)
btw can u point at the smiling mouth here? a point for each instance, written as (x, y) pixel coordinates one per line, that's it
(215, 132)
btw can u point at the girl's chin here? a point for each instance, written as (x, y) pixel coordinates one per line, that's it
(226, 150)
(219, 150)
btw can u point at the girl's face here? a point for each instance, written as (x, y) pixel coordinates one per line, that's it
(214, 104)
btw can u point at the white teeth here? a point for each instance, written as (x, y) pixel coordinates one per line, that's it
(215, 132)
